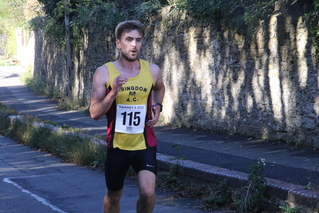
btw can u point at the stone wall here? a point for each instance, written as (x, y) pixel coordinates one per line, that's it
(265, 85)
(50, 64)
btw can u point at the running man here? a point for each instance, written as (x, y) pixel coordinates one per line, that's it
(130, 93)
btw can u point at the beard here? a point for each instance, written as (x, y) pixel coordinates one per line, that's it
(129, 58)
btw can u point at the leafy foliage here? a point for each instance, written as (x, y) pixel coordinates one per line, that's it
(146, 9)
(103, 15)
(172, 181)
(243, 11)
(313, 16)
(203, 10)
(11, 16)
(84, 15)
(258, 10)
(254, 198)
(218, 198)
(39, 87)
(12, 11)
(5, 112)
(287, 209)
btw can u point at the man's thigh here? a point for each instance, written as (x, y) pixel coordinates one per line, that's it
(117, 163)
(145, 160)
(146, 182)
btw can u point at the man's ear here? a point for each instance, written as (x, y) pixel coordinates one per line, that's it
(118, 44)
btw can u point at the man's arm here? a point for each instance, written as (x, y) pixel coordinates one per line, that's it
(158, 92)
(101, 101)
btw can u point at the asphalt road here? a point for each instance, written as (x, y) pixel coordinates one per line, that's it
(37, 182)
(34, 181)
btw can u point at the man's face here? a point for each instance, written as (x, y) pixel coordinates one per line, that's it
(130, 45)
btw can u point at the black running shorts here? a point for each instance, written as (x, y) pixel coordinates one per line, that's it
(117, 163)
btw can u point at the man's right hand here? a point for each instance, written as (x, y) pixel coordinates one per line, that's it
(118, 82)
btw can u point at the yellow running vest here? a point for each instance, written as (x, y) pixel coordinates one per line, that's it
(132, 108)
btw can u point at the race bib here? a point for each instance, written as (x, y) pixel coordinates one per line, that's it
(130, 119)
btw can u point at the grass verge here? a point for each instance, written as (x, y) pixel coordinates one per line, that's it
(39, 87)
(66, 143)
(8, 62)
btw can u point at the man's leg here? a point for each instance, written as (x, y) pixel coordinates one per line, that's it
(116, 166)
(111, 202)
(146, 201)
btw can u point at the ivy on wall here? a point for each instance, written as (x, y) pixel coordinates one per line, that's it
(83, 15)
(103, 15)
(88, 15)
(313, 16)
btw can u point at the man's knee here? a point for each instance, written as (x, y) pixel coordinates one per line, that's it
(113, 197)
(147, 194)
(147, 181)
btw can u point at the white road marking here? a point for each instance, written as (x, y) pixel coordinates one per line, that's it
(40, 199)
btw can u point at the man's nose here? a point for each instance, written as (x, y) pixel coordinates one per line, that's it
(134, 43)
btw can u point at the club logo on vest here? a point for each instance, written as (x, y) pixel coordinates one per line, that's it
(132, 91)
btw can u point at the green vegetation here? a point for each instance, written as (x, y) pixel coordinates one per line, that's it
(313, 18)
(4, 113)
(212, 195)
(102, 15)
(12, 16)
(6, 62)
(287, 209)
(221, 196)
(71, 147)
(251, 198)
(254, 199)
(171, 180)
(38, 86)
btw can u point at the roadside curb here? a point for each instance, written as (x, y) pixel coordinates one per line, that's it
(287, 192)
